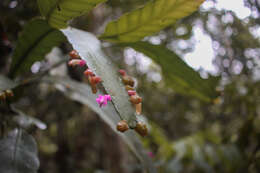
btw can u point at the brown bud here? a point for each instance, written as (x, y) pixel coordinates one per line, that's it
(92, 84)
(122, 126)
(127, 80)
(138, 108)
(141, 129)
(2, 96)
(135, 99)
(9, 93)
(128, 87)
(74, 54)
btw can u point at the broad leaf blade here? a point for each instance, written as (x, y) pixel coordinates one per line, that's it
(177, 73)
(18, 153)
(89, 48)
(36, 40)
(150, 19)
(58, 12)
(82, 93)
(6, 83)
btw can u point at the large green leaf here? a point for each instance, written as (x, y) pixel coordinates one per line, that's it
(82, 93)
(18, 153)
(153, 17)
(89, 48)
(59, 12)
(37, 39)
(177, 73)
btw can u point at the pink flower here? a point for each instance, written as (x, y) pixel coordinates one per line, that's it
(102, 100)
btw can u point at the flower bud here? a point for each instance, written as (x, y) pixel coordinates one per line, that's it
(74, 54)
(9, 93)
(95, 79)
(131, 92)
(122, 72)
(127, 80)
(138, 108)
(2, 96)
(88, 72)
(128, 87)
(141, 129)
(135, 99)
(122, 126)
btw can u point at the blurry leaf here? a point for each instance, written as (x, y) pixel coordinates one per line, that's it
(82, 93)
(89, 48)
(6, 83)
(177, 74)
(150, 19)
(36, 40)
(58, 13)
(25, 121)
(18, 153)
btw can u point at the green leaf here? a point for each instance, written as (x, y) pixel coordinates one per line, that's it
(150, 19)
(18, 153)
(59, 12)
(82, 93)
(36, 40)
(89, 48)
(6, 83)
(177, 74)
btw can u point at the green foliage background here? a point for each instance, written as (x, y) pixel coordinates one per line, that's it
(192, 127)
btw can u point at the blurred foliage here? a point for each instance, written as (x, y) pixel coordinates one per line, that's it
(186, 134)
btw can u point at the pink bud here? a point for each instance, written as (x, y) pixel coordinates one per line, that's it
(122, 72)
(82, 63)
(131, 92)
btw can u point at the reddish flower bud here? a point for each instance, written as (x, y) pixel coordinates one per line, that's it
(135, 99)
(2, 96)
(127, 80)
(96, 79)
(74, 54)
(88, 72)
(122, 126)
(82, 63)
(131, 92)
(9, 93)
(122, 72)
(141, 129)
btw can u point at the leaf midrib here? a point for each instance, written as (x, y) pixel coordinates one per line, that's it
(145, 23)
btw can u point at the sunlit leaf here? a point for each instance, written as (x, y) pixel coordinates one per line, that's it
(18, 153)
(177, 74)
(58, 13)
(150, 19)
(89, 48)
(82, 93)
(36, 40)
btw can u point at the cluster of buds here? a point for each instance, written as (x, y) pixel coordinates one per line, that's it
(135, 99)
(92, 78)
(6, 94)
(75, 59)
